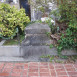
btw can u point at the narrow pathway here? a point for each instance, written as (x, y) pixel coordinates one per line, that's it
(37, 69)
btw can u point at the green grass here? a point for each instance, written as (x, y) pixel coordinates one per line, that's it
(14, 41)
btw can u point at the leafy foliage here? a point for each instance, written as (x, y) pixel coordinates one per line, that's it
(10, 19)
(68, 12)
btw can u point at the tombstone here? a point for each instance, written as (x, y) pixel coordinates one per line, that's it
(26, 6)
(38, 15)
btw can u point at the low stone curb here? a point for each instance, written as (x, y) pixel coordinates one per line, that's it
(11, 51)
(14, 51)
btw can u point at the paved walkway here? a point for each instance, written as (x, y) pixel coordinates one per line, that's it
(37, 69)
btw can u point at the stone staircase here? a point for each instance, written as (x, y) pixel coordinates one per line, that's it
(37, 42)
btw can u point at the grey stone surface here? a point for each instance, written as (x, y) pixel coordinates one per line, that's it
(69, 52)
(38, 39)
(4, 58)
(38, 51)
(24, 59)
(10, 51)
(1, 43)
(37, 28)
(36, 59)
(38, 15)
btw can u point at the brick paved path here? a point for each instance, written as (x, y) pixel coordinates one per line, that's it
(37, 69)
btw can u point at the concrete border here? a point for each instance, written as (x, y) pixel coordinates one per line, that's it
(14, 51)
(17, 51)
(11, 51)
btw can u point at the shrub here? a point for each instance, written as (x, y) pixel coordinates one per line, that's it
(10, 19)
(68, 14)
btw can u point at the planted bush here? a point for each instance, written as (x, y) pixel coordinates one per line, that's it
(11, 19)
(67, 12)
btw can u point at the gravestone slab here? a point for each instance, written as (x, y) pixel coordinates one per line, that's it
(36, 40)
(37, 28)
(38, 51)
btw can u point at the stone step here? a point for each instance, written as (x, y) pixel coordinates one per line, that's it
(37, 28)
(28, 51)
(36, 40)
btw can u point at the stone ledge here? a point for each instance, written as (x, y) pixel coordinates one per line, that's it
(13, 51)
(10, 51)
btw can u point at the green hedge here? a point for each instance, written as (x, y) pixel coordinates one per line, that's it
(10, 19)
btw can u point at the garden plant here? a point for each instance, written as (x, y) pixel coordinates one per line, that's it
(12, 21)
(67, 23)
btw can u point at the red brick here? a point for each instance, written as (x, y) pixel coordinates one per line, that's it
(9, 65)
(43, 67)
(53, 73)
(68, 65)
(43, 64)
(0, 70)
(70, 69)
(18, 67)
(25, 70)
(51, 66)
(33, 74)
(33, 64)
(75, 65)
(57, 64)
(1, 65)
(72, 73)
(45, 74)
(15, 74)
(26, 66)
(19, 64)
(60, 69)
(62, 76)
(24, 73)
(44, 70)
(17, 70)
(4, 74)
(6, 70)
(72, 76)
(61, 73)
(33, 70)
(33, 67)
